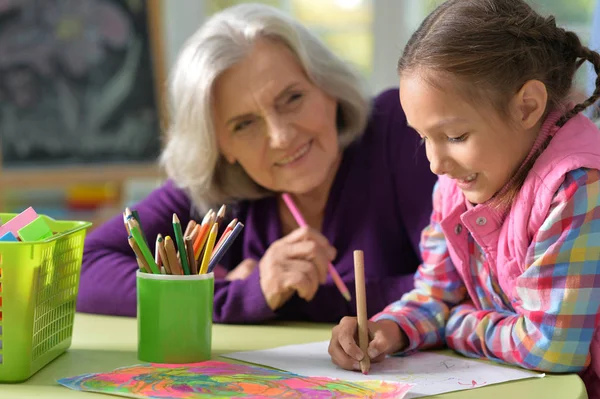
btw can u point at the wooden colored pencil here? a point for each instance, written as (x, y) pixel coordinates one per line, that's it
(210, 243)
(172, 257)
(194, 233)
(221, 214)
(180, 244)
(138, 255)
(189, 247)
(147, 255)
(125, 223)
(361, 310)
(157, 258)
(190, 226)
(207, 215)
(219, 253)
(163, 254)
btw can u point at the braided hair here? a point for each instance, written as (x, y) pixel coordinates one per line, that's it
(488, 49)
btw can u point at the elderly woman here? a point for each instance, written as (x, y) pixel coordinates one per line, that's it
(260, 107)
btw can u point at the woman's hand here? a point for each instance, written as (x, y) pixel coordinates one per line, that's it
(385, 337)
(298, 263)
(243, 270)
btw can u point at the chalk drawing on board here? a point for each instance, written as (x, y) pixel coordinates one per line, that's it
(76, 83)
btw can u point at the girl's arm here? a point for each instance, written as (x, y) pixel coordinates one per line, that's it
(423, 312)
(558, 294)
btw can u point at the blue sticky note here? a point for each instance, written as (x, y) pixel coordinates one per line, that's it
(8, 237)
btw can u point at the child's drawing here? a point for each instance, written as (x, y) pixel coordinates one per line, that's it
(215, 379)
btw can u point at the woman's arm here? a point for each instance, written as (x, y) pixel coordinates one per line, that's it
(107, 282)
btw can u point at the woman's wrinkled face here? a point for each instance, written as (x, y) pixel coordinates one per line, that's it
(272, 120)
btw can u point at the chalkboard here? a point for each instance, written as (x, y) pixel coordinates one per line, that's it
(78, 82)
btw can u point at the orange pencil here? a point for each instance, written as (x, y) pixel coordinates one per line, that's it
(203, 234)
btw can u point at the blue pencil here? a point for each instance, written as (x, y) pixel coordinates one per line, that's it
(225, 246)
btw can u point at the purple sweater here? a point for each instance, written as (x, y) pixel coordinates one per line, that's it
(379, 202)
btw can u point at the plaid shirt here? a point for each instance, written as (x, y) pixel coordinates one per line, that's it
(551, 319)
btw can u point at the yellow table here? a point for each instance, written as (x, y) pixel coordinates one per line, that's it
(102, 343)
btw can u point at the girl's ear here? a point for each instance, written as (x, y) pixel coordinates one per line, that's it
(529, 104)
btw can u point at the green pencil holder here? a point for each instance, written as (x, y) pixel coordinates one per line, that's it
(174, 316)
(38, 290)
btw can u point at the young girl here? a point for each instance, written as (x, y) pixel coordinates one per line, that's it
(511, 258)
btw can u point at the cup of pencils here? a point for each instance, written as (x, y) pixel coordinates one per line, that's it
(174, 317)
(175, 287)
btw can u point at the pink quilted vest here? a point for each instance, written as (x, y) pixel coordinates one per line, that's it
(504, 238)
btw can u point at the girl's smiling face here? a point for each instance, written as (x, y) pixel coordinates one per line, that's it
(474, 145)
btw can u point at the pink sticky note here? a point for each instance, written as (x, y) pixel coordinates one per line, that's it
(18, 222)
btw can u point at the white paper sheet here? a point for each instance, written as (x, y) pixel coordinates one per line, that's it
(431, 373)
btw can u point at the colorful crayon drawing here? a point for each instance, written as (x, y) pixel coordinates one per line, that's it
(214, 379)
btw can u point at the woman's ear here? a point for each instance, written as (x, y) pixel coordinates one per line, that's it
(529, 104)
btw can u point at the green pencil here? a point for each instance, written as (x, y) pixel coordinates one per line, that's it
(136, 215)
(134, 227)
(180, 244)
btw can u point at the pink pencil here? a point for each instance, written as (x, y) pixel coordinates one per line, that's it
(301, 222)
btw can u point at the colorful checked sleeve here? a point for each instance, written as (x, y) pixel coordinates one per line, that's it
(558, 295)
(423, 312)
(555, 302)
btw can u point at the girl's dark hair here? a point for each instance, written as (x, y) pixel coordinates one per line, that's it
(491, 48)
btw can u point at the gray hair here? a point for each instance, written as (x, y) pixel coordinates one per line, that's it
(191, 156)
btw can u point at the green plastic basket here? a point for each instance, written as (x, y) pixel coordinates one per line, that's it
(38, 290)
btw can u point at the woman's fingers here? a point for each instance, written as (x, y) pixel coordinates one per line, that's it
(309, 234)
(311, 251)
(301, 275)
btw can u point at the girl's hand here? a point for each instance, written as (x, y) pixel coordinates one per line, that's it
(298, 263)
(385, 337)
